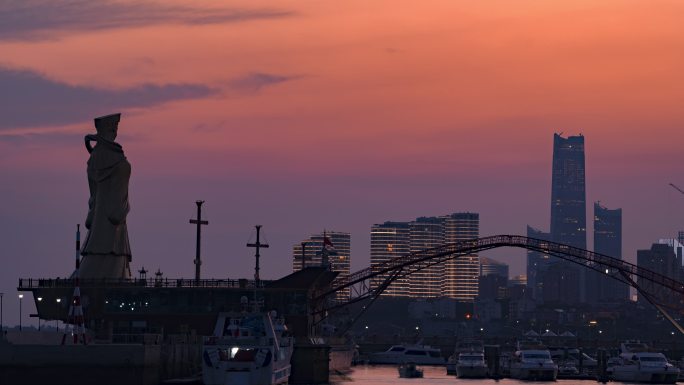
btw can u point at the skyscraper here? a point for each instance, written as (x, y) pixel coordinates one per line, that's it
(388, 241)
(338, 261)
(461, 275)
(568, 204)
(608, 241)
(538, 264)
(425, 233)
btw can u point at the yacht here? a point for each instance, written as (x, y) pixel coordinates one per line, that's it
(247, 349)
(471, 365)
(468, 360)
(417, 354)
(637, 364)
(532, 361)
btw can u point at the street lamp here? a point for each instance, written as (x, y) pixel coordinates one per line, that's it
(21, 297)
(2, 326)
(57, 321)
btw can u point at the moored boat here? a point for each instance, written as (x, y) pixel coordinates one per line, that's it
(532, 361)
(247, 349)
(399, 354)
(471, 365)
(637, 363)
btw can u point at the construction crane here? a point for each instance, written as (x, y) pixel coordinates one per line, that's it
(677, 188)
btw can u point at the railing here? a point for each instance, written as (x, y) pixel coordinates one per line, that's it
(52, 283)
(410, 263)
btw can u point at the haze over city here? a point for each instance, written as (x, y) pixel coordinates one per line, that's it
(304, 116)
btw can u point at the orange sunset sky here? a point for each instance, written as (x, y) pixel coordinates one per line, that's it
(305, 115)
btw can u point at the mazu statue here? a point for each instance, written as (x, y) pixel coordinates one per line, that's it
(106, 251)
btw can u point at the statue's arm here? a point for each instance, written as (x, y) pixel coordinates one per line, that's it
(90, 138)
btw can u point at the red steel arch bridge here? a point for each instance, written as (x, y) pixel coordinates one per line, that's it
(662, 291)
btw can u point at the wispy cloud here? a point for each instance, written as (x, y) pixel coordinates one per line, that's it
(48, 19)
(29, 99)
(257, 80)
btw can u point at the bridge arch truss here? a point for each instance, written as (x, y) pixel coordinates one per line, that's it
(369, 283)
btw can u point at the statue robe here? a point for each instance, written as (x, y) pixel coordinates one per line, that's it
(106, 251)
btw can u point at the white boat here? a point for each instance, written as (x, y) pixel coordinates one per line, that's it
(471, 365)
(417, 354)
(465, 346)
(637, 364)
(247, 349)
(533, 362)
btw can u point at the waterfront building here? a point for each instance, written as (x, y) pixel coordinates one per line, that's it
(518, 280)
(425, 233)
(491, 287)
(490, 266)
(537, 265)
(461, 275)
(389, 240)
(607, 241)
(568, 205)
(456, 279)
(337, 252)
(662, 259)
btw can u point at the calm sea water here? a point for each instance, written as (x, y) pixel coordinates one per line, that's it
(434, 375)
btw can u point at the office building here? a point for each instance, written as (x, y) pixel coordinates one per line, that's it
(662, 259)
(568, 206)
(490, 266)
(607, 241)
(537, 265)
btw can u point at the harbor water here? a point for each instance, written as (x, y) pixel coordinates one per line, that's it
(434, 375)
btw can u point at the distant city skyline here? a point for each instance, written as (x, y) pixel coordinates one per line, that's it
(301, 117)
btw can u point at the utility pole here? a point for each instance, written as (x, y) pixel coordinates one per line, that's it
(199, 222)
(257, 245)
(2, 325)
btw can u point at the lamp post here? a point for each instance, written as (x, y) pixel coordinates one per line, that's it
(59, 300)
(2, 326)
(21, 297)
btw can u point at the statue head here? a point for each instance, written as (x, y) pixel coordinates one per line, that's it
(107, 126)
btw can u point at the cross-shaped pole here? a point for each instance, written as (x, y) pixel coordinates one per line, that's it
(258, 245)
(199, 222)
(304, 254)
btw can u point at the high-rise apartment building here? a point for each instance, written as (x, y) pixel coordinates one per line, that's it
(461, 275)
(457, 278)
(388, 241)
(607, 241)
(425, 233)
(568, 205)
(316, 252)
(538, 264)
